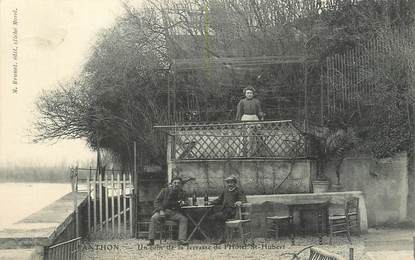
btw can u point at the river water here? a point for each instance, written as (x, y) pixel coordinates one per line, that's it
(19, 200)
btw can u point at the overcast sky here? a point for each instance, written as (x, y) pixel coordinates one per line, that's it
(54, 40)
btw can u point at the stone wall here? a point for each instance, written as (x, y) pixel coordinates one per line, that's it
(52, 224)
(276, 205)
(67, 230)
(383, 182)
(255, 176)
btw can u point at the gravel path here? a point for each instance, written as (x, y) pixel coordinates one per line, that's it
(200, 250)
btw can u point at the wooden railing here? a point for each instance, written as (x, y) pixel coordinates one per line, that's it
(242, 140)
(68, 250)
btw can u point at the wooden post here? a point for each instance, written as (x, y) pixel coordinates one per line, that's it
(206, 56)
(106, 203)
(124, 200)
(88, 187)
(322, 94)
(292, 228)
(89, 199)
(320, 226)
(112, 202)
(336, 66)
(100, 200)
(174, 93)
(169, 157)
(119, 203)
(305, 67)
(351, 253)
(70, 251)
(78, 251)
(131, 205)
(99, 187)
(134, 194)
(168, 99)
(76, 203)
(94, 185)
(168, 40)
(341, 90)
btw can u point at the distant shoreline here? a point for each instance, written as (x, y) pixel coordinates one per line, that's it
(38, 181)
(40, 174)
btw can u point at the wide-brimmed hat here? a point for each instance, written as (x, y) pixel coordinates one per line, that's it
(231, 178)
(177, 178)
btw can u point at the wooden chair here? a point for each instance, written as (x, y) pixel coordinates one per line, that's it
(167, 228)
(143, 227)
(321, 254)
(241, 224)
(274, 222)
(316, 254)
(344, 223)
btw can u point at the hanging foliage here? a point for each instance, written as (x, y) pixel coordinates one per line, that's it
(125, 85)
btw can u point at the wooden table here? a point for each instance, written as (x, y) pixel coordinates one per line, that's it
(320, 207)
(333, 197)
(188, 211)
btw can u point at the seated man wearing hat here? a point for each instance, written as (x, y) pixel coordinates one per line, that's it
(167, 206)
(231, 197)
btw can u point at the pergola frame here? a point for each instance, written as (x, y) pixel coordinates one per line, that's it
(179, 65)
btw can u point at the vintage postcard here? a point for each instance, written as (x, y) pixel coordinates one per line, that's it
(207, 129)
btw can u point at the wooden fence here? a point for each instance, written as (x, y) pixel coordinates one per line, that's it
(243, 140)
(351, 77)
(68, 250)
(110, 204)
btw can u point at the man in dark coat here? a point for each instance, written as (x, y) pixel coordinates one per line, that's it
(231, 197)
(167, 207)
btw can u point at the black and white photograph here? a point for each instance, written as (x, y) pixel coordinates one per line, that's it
(207, 129)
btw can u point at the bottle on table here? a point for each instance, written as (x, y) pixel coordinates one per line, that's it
(206, 198)
(194, 198)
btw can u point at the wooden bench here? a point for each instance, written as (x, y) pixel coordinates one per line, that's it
(321, 254)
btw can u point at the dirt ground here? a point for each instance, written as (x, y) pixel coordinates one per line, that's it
(201, 250)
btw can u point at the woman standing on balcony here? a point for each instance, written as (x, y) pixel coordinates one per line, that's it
(249, 108)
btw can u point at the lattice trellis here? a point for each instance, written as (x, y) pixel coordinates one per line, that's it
(266, 139)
